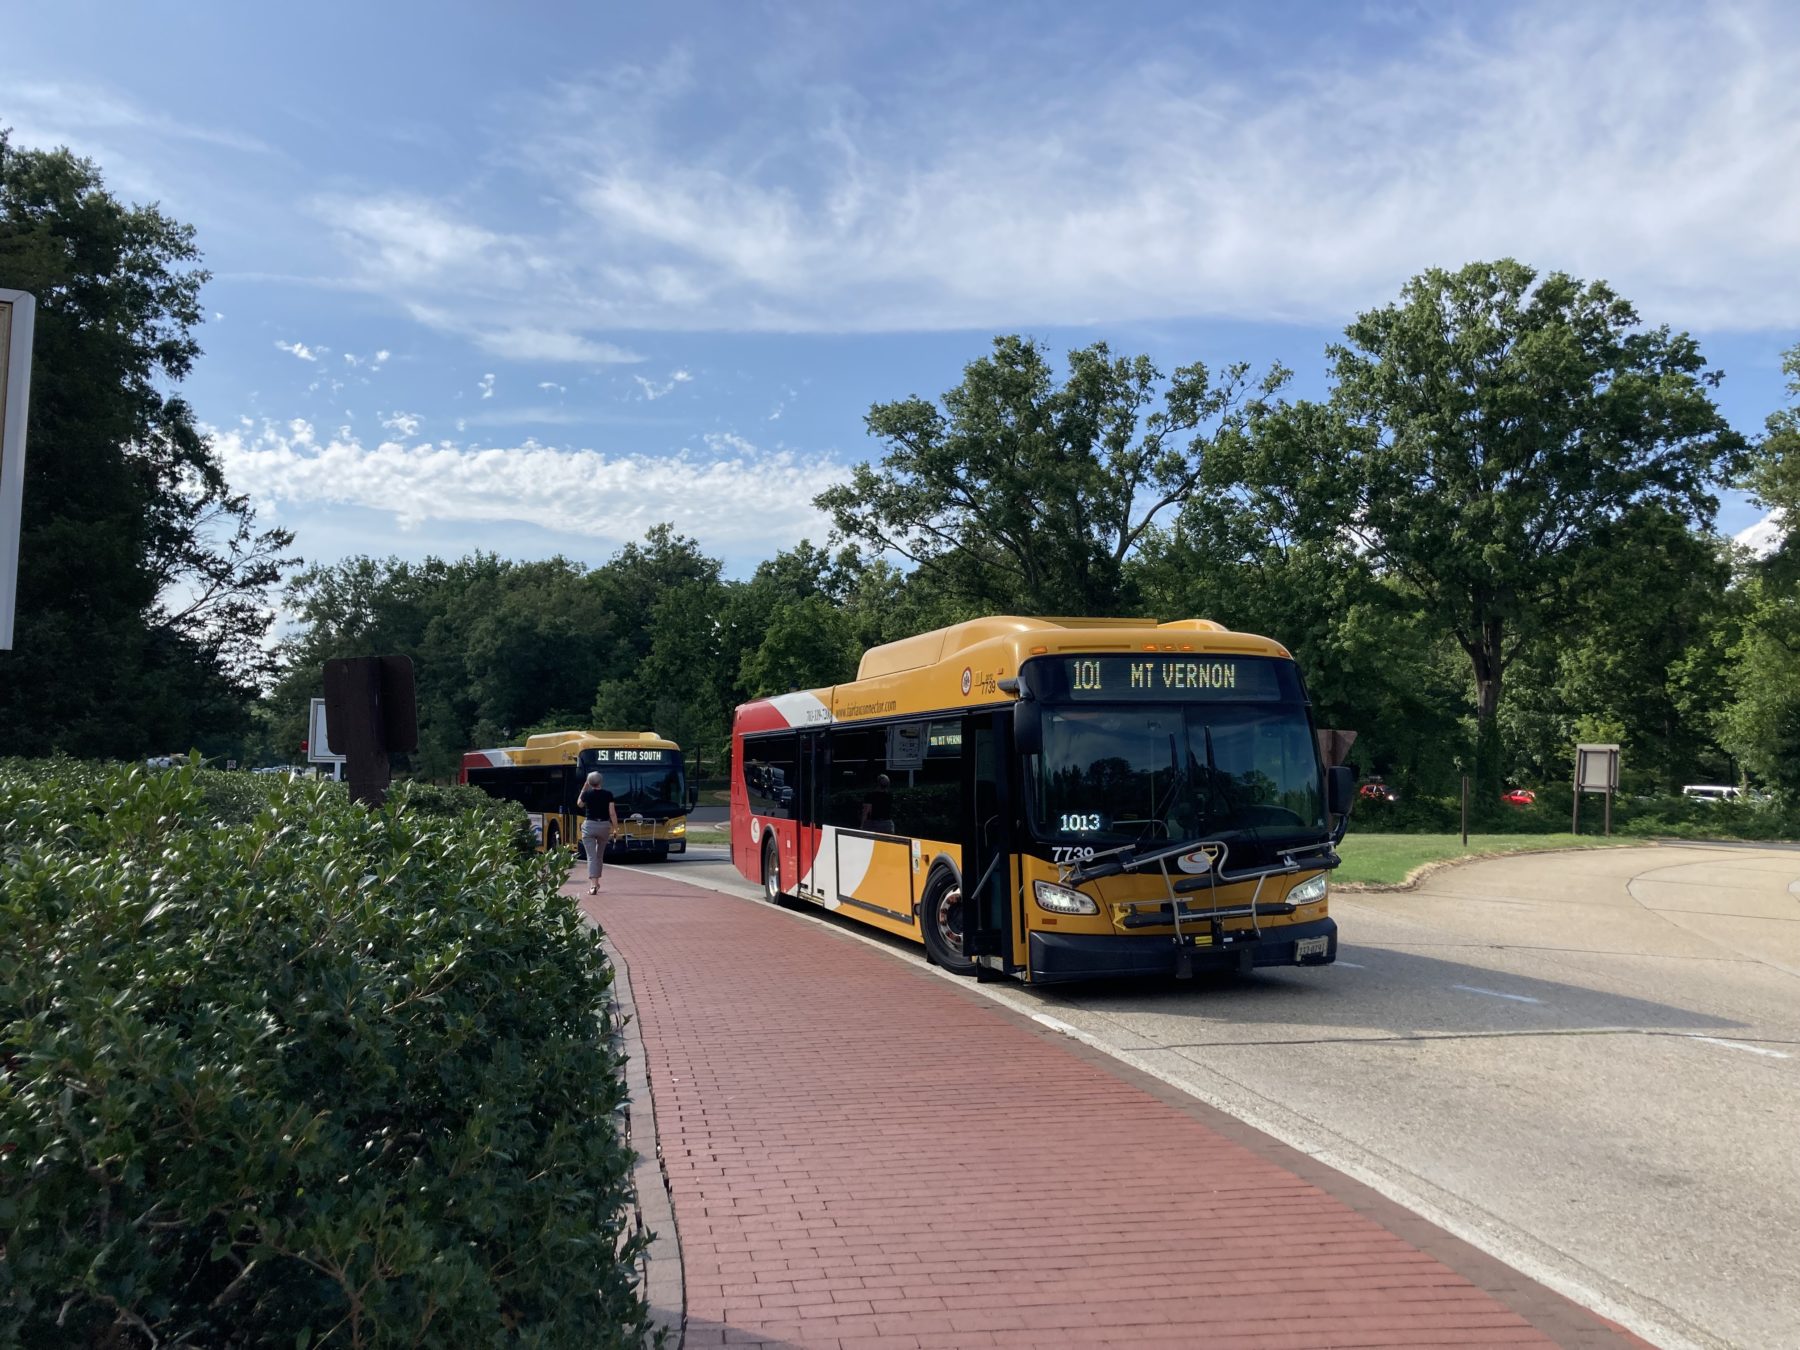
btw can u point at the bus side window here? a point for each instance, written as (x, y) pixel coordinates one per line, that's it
(930, 805)
(771, 774)
(858, 760)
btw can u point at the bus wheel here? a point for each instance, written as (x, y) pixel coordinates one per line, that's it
(771, 872)
(941, 915)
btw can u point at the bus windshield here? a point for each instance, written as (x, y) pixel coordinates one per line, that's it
(656, 789)
(1138, 772)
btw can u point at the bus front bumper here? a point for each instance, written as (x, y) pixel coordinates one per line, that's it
(625, 845)
(1097, 956)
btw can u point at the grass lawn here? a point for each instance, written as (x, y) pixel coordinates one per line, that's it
(695, 836)
(1385, 859)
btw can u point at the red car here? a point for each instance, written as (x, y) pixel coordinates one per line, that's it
(1377, 791)
(1519, 797)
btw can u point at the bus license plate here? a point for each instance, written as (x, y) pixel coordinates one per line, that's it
(1306, 947)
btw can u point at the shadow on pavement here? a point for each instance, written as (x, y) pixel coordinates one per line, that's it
(702, 1332)
(1392, 991)
(1385, 990)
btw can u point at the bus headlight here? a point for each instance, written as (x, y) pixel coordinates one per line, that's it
(1062, 900)
(1313, 888)
(679, 827)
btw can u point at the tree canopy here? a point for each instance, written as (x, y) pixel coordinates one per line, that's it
(1491, 535)
(142, 577)
(1020, 492)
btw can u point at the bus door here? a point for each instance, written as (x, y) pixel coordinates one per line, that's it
(809, 811)
(987, 848)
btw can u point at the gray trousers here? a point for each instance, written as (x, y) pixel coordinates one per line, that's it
(594, 834)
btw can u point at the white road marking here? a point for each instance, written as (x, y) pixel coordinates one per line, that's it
(1352, 964)
(1495, 993)
(1739, 1045)
(1054, 1024)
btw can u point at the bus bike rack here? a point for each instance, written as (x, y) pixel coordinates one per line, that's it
(1112, 864)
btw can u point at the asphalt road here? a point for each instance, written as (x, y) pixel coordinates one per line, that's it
(1586, 1063)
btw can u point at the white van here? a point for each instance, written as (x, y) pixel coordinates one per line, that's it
(1707, 793)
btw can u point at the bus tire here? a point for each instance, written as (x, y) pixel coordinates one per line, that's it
(940, 917)
(771, 871)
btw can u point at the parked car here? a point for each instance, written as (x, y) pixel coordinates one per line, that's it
(1519, 797)
(1711, 792)
(1377, 791)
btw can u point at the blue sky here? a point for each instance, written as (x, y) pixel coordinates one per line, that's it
(532, 278)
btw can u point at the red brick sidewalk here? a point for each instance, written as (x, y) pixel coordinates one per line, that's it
(862, 1154)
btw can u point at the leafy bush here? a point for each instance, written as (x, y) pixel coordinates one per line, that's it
(1639, 817)
(319, 1077)
(1688, 818)
(455, 801)
(1412, 814)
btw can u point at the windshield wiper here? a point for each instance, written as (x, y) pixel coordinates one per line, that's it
(1159, 810)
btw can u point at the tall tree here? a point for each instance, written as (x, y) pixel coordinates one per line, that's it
(1772, 469)
(1023, 492)
(1236, 553)
(1638, 654)
(1487, 434)
(1761, 725)
(143, 580)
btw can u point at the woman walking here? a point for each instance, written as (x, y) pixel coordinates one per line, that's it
(596, 803)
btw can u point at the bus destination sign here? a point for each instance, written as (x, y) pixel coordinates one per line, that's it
(633, 756)
(1153, 678)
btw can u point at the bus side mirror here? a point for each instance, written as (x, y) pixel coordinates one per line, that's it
(1028, 727)
(693, 797)
(1340, 783)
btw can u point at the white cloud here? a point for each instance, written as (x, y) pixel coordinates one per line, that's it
(402, 423)
(380, 357)
(526, 416)
(1764, 537)
(552, 384)
(1655, 146)
(486, 385)
(300, 349)
(654, 390)
(73, 108)
(733, 496)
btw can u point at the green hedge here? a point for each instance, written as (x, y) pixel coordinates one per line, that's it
(280, 1071)
(1639, 817)
(238, 798)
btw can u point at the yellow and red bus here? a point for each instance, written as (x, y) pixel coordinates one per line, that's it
(643, 771)
(1054, 799)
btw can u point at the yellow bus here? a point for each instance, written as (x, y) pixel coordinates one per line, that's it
(643, 771)
(1054, 799)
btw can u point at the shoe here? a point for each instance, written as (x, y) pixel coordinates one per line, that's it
(594, 889)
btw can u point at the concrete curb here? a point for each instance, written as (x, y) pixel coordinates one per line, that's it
(664, 1282)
